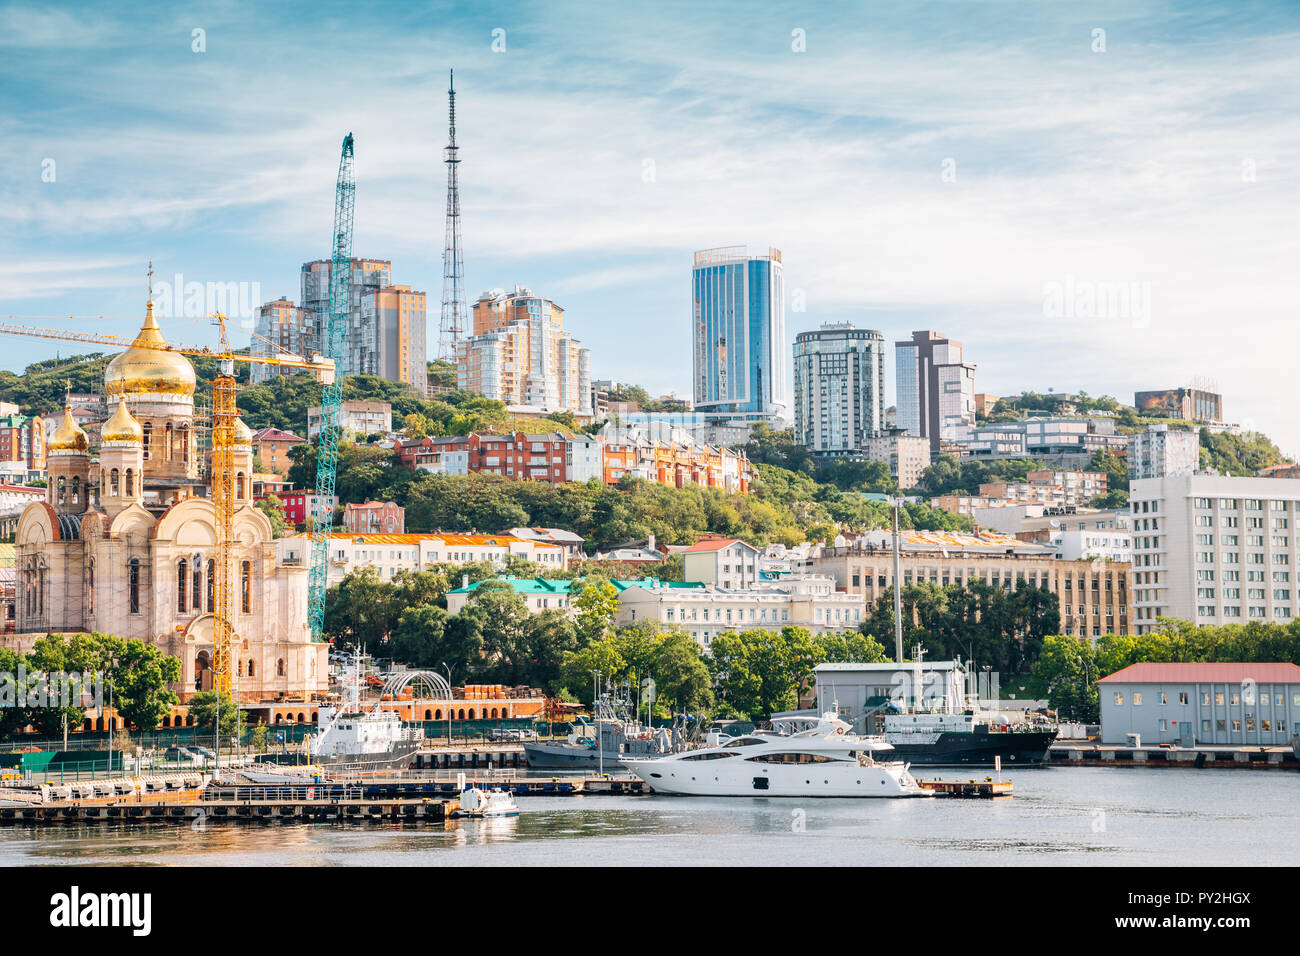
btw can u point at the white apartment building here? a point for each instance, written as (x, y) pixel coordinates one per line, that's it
(727, 562)
(361, 417)
(906, 455)
(839, 388)
(1161, 451)
(390, 553)
(1214, 550)
(705, 612)
(1073, 533)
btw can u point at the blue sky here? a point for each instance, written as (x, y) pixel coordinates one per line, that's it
(1166, 164)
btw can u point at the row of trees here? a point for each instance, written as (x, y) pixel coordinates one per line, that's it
(978, 621)
(134, 675)
(497, 639)
(1069, 668)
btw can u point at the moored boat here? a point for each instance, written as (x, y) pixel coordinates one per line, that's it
(823, 760)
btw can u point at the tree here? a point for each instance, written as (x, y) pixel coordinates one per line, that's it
(597, 603)
(13, 692)
(273, 508)
(84, 655)
(1067, 667)
(204, 707)
(680, 674)
(140, 675)
(420, 639)
(759, 672)
(579, 665)
(359, 611)
(503, 620)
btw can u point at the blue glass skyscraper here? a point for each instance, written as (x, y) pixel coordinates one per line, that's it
(738, 329)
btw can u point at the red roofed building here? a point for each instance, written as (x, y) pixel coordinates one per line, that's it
(272, 446)
(1201, 704)
(374, 517)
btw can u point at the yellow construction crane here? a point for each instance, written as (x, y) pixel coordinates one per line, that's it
(224, 414)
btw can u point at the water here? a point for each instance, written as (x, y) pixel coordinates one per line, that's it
(1059, 815)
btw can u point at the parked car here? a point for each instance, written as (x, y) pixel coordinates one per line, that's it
(181, 755)
(205, 752)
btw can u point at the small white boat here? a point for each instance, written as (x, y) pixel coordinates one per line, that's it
(477, 802)
(824, 760)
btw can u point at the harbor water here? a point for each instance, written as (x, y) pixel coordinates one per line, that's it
(1059, 815)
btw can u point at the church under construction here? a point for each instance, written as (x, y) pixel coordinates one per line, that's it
(132, 553)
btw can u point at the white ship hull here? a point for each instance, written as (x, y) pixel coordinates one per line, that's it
(707, 779)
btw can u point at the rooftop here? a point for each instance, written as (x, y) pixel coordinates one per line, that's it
(1205, 673)
(714, 545)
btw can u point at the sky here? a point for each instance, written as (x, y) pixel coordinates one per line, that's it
(983, 169)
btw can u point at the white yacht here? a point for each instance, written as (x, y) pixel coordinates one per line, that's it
(822, 759)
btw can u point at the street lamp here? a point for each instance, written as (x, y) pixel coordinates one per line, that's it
(449, 699)
(898, 588)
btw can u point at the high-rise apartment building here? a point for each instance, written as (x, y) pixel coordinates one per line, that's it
(1214, 550)
(367, 275)
(385, 325)
(392, 340)
(738, 331)
(1161, 451)
(521, 354)
(935, 387)
(282, 327)
(839, 388)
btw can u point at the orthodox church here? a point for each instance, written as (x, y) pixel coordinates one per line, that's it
(132, 554)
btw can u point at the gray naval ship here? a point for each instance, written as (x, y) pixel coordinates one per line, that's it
(602, 742)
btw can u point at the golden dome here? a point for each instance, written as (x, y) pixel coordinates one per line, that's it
(243, 434)
(122, 427)
(68, 436)
(144, 369)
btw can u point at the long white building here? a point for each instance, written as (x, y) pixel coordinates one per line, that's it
(809, 601)
(1214, 550)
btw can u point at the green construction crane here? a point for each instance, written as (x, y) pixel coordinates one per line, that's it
(327, 450)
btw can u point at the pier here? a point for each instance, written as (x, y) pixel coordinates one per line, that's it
(988, 787)
(196, 812)
(1207, 757)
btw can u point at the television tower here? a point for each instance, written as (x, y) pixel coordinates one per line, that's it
(453, 323)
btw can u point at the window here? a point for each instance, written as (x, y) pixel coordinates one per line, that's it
(1137, 698)
(246, 587)
(182, 582)
(133, 585)
(1119, 699)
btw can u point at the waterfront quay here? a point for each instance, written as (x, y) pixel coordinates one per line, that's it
(235, 811)
(1082, 753)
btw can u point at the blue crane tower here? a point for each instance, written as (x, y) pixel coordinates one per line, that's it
(327, 449)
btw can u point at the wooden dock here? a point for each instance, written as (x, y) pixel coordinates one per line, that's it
(230, 811)
(988, 787)
(384, 788)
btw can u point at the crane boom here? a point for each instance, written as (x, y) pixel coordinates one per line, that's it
(224, 415)
(321, 366)
(332, 395)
